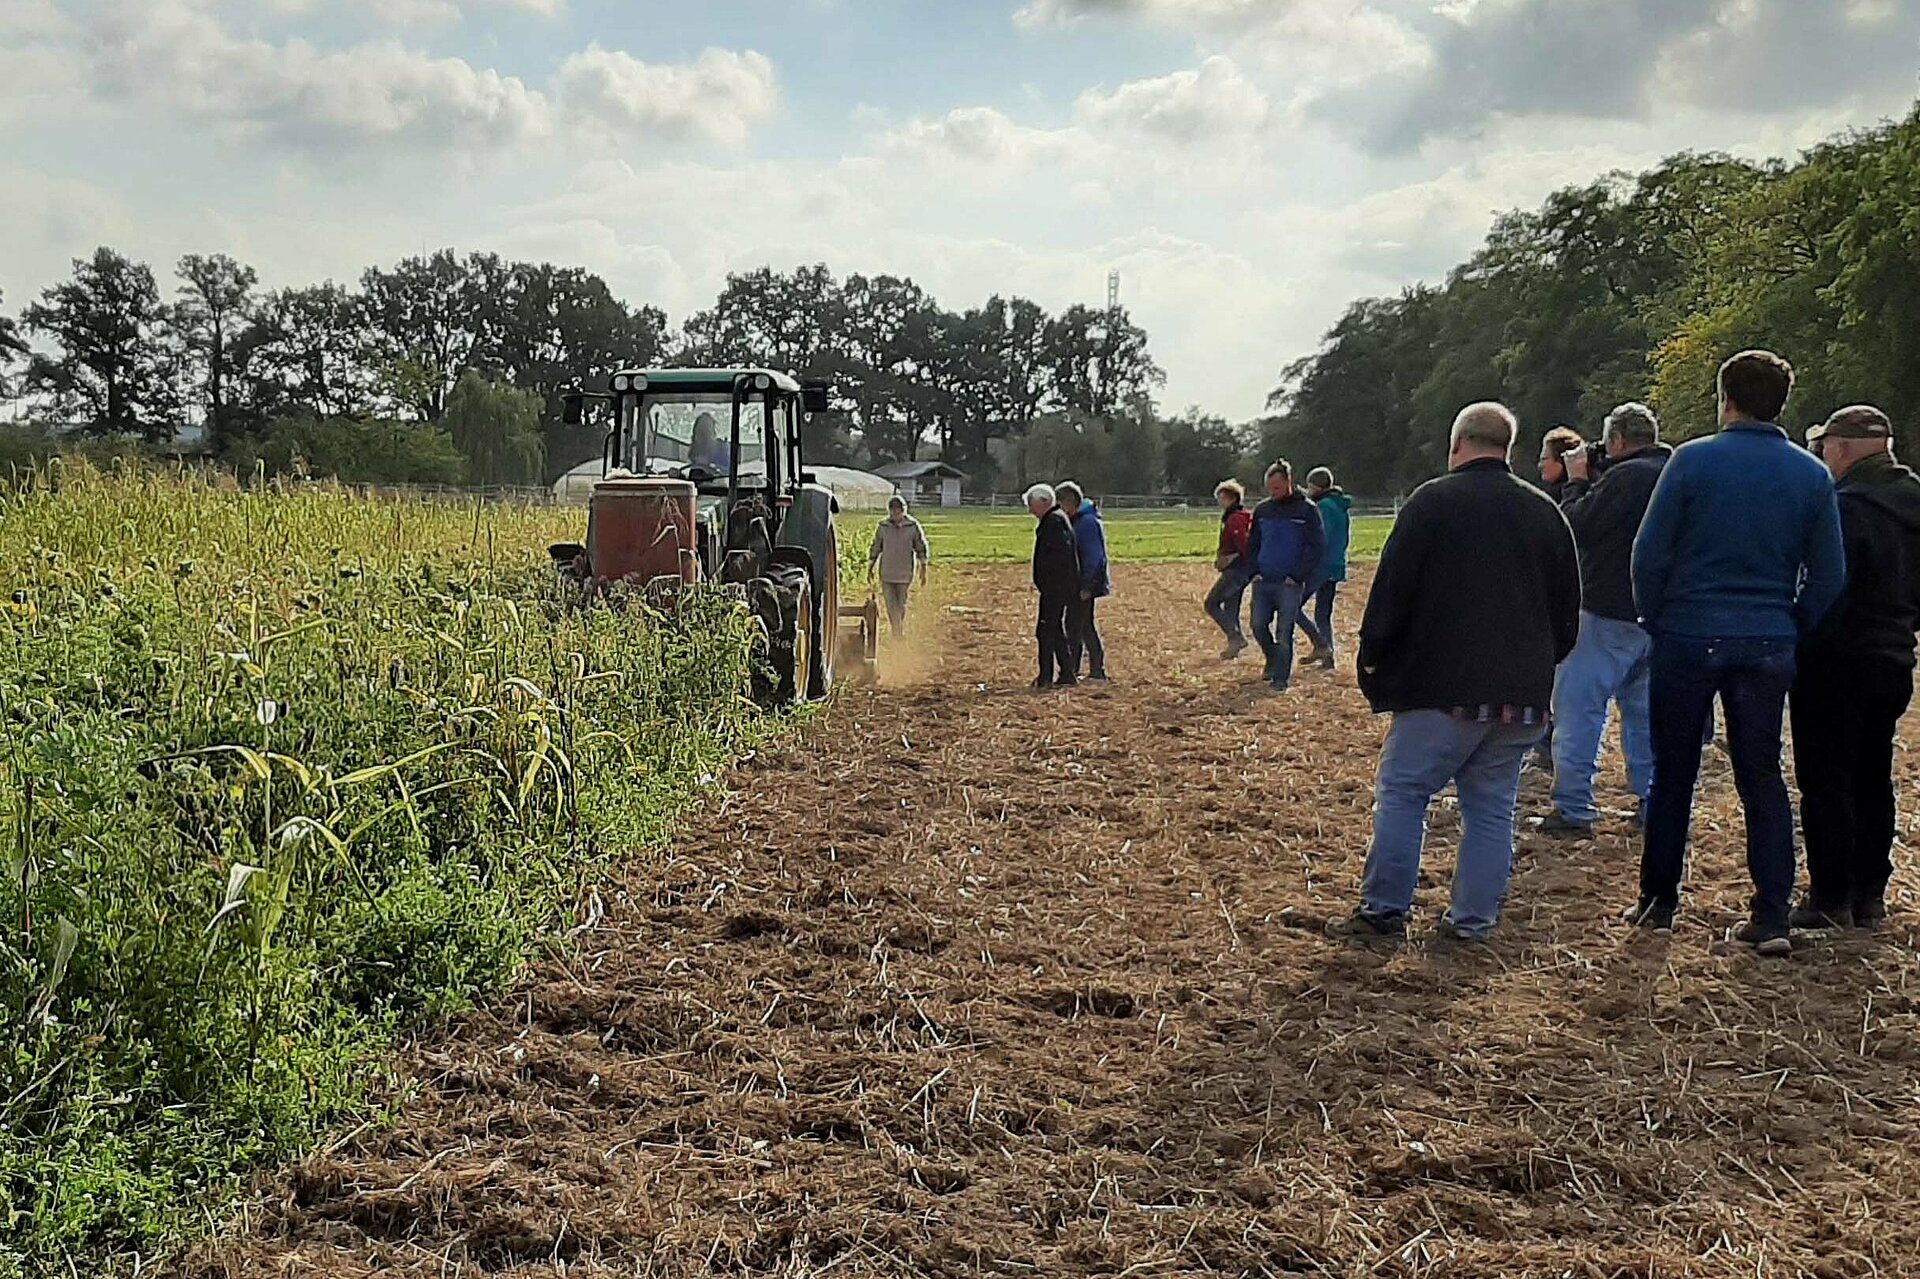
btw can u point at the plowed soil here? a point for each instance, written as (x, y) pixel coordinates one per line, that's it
(967, 980)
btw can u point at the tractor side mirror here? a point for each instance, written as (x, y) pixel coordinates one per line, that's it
(573, 408)
(816, 395)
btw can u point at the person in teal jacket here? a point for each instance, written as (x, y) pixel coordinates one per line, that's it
(1336, 516)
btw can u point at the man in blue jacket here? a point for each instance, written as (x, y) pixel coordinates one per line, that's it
(1740, 556)
(1083, 636)
(1285, 548)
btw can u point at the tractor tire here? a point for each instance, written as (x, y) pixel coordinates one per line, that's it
(783, 601)
(825, 638)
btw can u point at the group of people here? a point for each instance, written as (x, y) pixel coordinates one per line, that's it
(1291, 550)
(1741, 566)
(1070, 574)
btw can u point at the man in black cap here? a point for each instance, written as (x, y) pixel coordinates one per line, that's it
(1856, 677)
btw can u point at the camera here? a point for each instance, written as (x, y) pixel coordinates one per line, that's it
(1597, 459)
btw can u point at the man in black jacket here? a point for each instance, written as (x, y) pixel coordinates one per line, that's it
(1856, 677)
(1056, 575)
(1610, 663)
(1476, 600)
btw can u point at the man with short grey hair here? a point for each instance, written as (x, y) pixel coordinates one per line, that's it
(1610, 663)
(899, 548)
(1056, 576)
(1476, 600)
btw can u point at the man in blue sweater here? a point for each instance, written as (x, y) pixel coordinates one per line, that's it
(1740, 555)
(1285, 547)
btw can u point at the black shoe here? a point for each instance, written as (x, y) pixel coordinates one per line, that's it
(1067, 681)
(1234, 649)
(1561, 826)
(1652, 917)
(1041, 685)
(1764, 938)
(1807, 917)
(1363, 925)
(1099, 677)
(1869, 912)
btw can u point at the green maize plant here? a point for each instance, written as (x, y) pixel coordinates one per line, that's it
(284, 766)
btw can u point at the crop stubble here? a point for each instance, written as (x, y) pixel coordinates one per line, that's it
(973, 981)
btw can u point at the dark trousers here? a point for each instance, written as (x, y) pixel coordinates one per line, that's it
(1083, 639)
(1845, 714)
(1751, 677)
(1224, 603)
(1056, 656)
(1319, 628)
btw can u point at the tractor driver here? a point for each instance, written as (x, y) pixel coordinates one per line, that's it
(709, 451)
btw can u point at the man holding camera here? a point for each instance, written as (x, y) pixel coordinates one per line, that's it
(1608, 487)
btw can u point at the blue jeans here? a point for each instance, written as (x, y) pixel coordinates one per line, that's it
(1276, 606)
(1223, 603)
(1609, 664)
(1425, 750)
(1319, 630)
(1751, 677)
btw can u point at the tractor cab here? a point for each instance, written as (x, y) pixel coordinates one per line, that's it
(734, 435)
(704, 481)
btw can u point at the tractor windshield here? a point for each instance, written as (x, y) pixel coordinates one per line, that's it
(667, 434)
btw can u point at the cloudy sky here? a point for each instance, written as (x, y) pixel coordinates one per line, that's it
(1249, 166)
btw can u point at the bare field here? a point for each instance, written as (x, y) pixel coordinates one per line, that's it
(967, 980)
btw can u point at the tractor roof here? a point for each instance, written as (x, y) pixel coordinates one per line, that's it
(709, 379)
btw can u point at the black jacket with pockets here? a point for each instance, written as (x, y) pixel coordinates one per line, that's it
(1056, 557)
(1606, 516)
(1880, 520)
(1476, 600)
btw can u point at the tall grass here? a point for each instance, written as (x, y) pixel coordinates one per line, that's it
(282, 768)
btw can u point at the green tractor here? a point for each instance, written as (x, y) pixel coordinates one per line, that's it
(704, 482)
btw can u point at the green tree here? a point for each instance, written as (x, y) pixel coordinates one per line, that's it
(361, 451)
(215, 303)
(116, 370)
(1201, 450)
(496, 427)
(308, 353)
(431, 319)
(13, 349)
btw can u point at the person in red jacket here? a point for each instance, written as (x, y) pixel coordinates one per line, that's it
(1236, 572)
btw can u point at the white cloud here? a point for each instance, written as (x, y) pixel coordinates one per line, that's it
(1211, 102)
(1068, 13)
(720, 96)
(384, 95)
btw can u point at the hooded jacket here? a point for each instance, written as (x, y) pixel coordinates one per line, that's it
(1287, 540)
(1880, 609)
(1090, 539)
(1605, 516)
(1336, 516)
(1056, 557)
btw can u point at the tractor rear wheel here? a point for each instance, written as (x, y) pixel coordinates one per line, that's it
(783, 601)
(825, 635)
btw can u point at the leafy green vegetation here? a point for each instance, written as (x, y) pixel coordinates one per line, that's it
(1635, 288)
(284, 768)
(979, 536)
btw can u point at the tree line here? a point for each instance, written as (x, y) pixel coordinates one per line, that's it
(1635, 287)
(450, 368)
